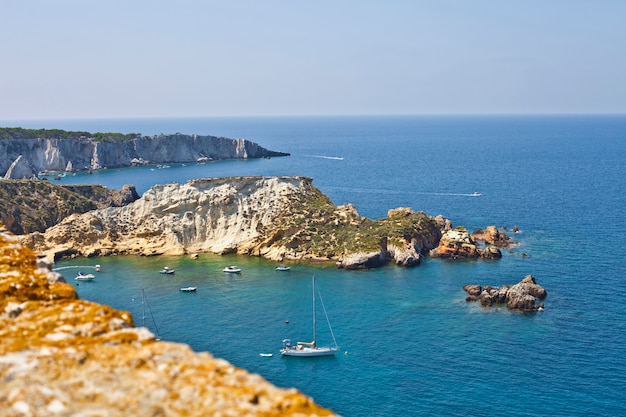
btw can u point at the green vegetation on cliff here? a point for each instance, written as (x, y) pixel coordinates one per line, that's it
(21, 133)
(328, 230)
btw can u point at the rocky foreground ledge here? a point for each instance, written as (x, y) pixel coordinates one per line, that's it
(61, 356)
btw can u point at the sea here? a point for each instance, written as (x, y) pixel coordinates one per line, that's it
(410, 345)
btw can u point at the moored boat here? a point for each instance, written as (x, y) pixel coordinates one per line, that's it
(232, 269)
(308, 349)
(84, 277)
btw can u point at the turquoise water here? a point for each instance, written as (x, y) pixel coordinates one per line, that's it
(410, 344)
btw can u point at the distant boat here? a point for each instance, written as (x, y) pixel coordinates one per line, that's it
(144, 304)
(283, 267)
(307, 349)
(232, 269)
(84, 277)
(266, 355)
(97, 268)
(188, 289)
(166, 270)
(476, 194)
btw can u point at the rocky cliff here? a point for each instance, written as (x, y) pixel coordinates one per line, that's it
(26, 157)
(61, 356)
(28, 206)
(280, 218)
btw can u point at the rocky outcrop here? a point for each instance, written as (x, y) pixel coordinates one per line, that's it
(26, 157)
(493, 236)
(61, 356)
(457, 243)
(522, 296)
(27, 206)
(280, 218)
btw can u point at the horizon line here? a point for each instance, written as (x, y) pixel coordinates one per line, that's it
(321, 115)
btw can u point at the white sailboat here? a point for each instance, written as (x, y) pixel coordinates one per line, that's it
(306, 349)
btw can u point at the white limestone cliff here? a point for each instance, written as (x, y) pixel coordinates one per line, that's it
(51, 154)
(204, 215)
(279, 218)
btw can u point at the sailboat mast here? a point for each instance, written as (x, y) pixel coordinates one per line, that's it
(143, 307)
(314, 321)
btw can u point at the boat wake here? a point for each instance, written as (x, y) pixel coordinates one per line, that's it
(381, 191)
(74, 267)
(475, 194)
(336, 158)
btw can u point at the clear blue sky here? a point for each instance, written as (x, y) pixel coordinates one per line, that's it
(152, 58)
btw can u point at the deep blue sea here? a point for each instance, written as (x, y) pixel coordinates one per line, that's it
(410, 344)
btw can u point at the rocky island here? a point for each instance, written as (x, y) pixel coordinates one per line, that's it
(279, 218)
(522, 296)
(27, 152)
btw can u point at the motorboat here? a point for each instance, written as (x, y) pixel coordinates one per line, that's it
(188, 289)
(283, 267)
(232, 269)
(84, 277)
(167, 270)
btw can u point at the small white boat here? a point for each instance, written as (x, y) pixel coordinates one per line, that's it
(84, 277)
(97, 268)
(283, 267)
(266, 355)
(476, 194)
(232, 269)
(167, 270)
(188, 289)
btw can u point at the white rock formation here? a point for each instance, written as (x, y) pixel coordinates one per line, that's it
(205, 215)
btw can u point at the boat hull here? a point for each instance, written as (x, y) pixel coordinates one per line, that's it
(308, 352)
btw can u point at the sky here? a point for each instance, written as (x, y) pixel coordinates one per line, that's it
(68, 59)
